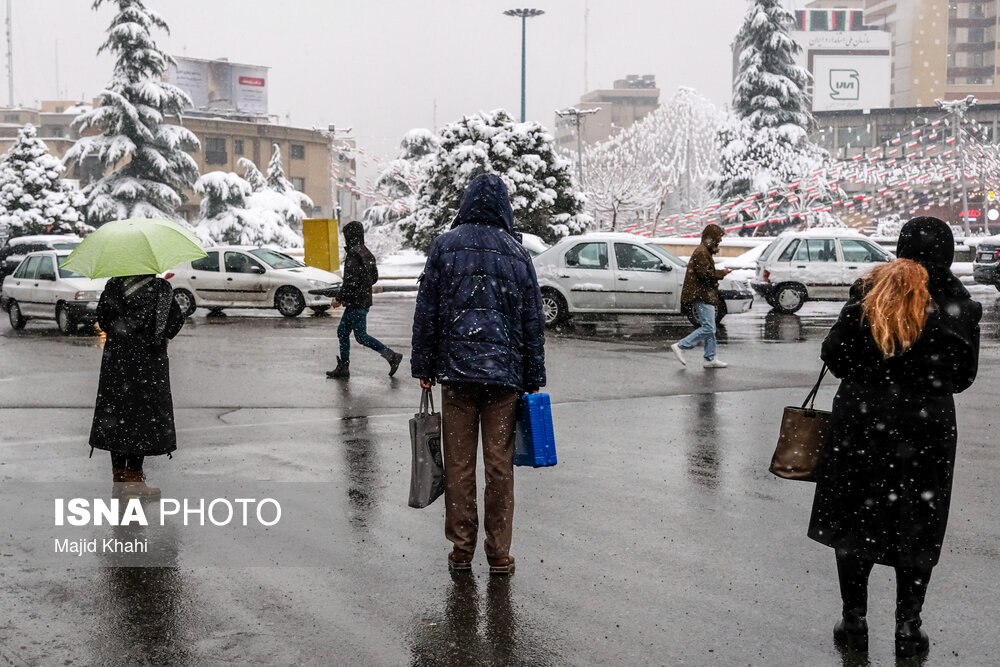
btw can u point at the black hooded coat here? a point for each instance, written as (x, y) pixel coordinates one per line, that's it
(885, 475)
(360, 271)
(135, 412)
(479, 307)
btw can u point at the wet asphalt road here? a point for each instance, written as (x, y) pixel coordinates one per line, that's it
(660, 538)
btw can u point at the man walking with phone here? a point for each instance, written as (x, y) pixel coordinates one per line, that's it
(701, 294)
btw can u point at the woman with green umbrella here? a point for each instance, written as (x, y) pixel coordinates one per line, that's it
(134, 416)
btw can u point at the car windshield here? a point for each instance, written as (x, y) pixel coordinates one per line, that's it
(66, 273)
(276, 260)
(652, 247)
(65, 245)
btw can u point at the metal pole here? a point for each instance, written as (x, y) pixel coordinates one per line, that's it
(524, 24)
(10, 58)
(579, 151)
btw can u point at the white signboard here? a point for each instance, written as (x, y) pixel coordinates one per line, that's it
(221, 86)
(851, 82)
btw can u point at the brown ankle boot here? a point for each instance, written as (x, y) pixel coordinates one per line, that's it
(134, 486)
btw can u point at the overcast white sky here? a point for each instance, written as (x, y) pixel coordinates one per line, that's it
(380, 65)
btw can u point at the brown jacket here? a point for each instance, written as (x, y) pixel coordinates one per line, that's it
(701, 282)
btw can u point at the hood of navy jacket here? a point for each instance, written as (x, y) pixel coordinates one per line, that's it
(486, 202)
(354, 234)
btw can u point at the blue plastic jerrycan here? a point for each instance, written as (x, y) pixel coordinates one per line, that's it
(534, 442)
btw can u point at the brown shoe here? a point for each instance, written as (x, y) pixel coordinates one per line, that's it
(133, 485)
(459, 561)
(502, 566)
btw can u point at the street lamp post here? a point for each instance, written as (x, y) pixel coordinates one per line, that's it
(524, 14)
(957, 110)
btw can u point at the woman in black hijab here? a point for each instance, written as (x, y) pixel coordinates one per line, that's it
(905, 342)
(134, 415)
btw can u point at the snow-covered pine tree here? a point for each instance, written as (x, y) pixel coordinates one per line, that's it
(229, 216)
(149, 168)
(252, 175)
(767, 142)
(33, 200)
(397, 186)
(299, 202)
(523, 154)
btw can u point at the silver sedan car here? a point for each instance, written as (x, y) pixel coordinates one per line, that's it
(620, 274)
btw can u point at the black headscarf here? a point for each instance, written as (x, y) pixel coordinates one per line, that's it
(929, 242)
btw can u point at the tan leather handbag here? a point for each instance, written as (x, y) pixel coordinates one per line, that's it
(801, 438)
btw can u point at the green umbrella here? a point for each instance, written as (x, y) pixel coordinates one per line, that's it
(133, 247)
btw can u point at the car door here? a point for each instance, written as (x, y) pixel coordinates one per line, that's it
(19, 286)
(207, 281)
(860, 257)
(586, 276)
(644, 281)
(244, 278)
(43, 290)
(815, 265)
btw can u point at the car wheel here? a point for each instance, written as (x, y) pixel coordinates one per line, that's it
(553, 307)
(17, 320)
(289, 301)
(67, 325)
(789, 298)
(185, 301)
(720, 312)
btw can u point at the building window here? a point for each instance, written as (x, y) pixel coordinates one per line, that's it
(238, 146)
(977, 10)
(977, 35)
(299, 183)
(215, 151)
(839, 20)
(11, 118)
(819, 20)
(976, 59)
(951, 59)
(298, 152)
(60, 109)
(952, 35)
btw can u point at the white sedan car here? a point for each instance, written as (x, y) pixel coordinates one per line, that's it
(41, 289)
(249, 277)
(620, 274)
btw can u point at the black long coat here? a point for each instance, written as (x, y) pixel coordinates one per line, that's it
(135, 412)
(884, 480)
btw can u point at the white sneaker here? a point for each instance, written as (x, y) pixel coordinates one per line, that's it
(715, 363)
(679, 353)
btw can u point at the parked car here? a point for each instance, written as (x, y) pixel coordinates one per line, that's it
(620, 274)
(39, 288)
(14, 250)
(249, 277)
(986, 266)
(814, 265)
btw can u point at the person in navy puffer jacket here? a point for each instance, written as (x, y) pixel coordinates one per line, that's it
(479, 331)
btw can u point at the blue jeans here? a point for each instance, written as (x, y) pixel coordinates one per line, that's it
(356, 320)
(704, 334)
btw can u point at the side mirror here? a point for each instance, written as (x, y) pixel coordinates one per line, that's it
(666, 267)
(572, 261)
(47, 276)
(257, 269)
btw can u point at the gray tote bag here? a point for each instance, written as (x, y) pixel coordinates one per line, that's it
(427, 473)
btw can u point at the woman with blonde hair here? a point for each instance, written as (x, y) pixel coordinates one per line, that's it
(905, 342)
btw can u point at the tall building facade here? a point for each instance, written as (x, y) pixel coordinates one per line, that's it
(942, 49)
(627, 101)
